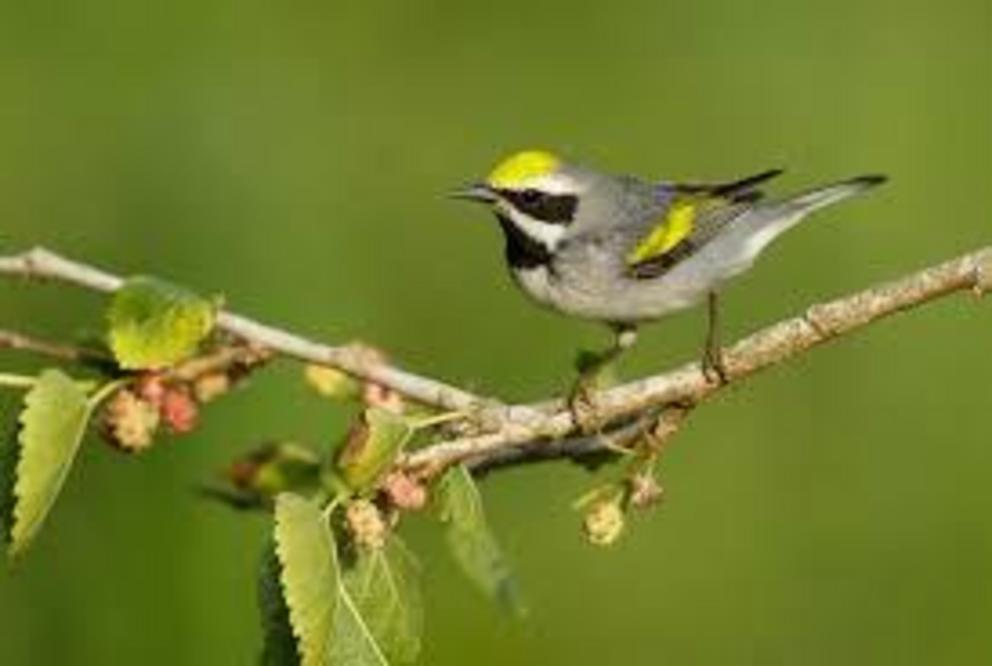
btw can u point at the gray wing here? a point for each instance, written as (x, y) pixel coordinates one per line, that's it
(623, 212)
(711, 218)
(715, 206)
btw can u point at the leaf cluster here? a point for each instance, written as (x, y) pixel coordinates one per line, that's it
(337, 584)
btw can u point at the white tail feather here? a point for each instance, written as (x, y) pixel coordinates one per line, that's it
(768, 221)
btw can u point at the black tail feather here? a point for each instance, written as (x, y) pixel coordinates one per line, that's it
(740, 190)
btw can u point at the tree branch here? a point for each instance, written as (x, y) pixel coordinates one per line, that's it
(689, 385)
(59, 351)
(44, 265)
(495, 435)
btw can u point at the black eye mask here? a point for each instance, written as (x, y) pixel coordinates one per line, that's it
(550, 208)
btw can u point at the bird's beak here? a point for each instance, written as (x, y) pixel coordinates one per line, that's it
(475, 192)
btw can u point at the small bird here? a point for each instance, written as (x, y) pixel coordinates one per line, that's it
(624, 251)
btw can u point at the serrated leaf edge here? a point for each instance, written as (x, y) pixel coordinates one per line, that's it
(19, 542)
(307, 652)
(344, 597)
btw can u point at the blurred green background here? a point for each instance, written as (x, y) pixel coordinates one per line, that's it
(292, 156)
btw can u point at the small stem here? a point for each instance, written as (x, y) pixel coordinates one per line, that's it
(104, 391)
(17, 381)
(437, 419)
(219, 360)
(63, 352)
(331, 506)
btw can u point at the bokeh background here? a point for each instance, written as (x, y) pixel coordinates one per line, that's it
(293, 156)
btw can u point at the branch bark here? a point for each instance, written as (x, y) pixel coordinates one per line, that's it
(59, 351)
(505, 435)
(42, 264)
(689, 385)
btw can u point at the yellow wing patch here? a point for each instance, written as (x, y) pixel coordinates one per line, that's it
(678, 224)
(523, 166)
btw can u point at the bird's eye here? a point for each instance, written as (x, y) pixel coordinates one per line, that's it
(530, 196)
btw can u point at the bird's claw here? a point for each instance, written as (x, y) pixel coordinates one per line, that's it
(713, 366)
(582, 405)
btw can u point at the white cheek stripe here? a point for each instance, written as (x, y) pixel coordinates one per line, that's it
(548, 235)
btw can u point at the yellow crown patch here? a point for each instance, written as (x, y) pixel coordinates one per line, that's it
(521, 167)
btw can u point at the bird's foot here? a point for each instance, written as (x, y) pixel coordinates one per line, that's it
(589, 364)
(595, 372)
(582, 404)
(713, 366)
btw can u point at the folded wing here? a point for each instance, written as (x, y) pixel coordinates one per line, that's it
(691, 215)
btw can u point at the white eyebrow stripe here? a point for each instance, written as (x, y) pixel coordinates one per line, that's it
(552, 183)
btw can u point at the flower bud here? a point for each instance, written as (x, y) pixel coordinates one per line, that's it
(404, 492)
(603, 523)
(179, 411)
(129, 422)
(366, 524)
(211, 386)
(644, 491)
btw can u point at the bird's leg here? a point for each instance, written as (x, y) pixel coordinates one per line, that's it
(712, 361)
(591, 367)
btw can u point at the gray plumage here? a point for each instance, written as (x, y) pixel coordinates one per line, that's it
(582, 268)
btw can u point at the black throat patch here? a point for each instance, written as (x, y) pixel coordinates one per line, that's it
(522, 251)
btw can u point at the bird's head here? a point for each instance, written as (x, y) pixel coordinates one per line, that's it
(534, 194)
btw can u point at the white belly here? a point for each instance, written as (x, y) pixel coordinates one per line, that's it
(590, 281)
(608, 296)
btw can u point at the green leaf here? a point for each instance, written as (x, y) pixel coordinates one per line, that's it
(53, 422)
(353, 643)
(475, 549)
(310, 580)
(332, 383)
(279, 647)
(10, 405)
(383, 584)
(340, 622)
(154, 324)
(372, 447)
